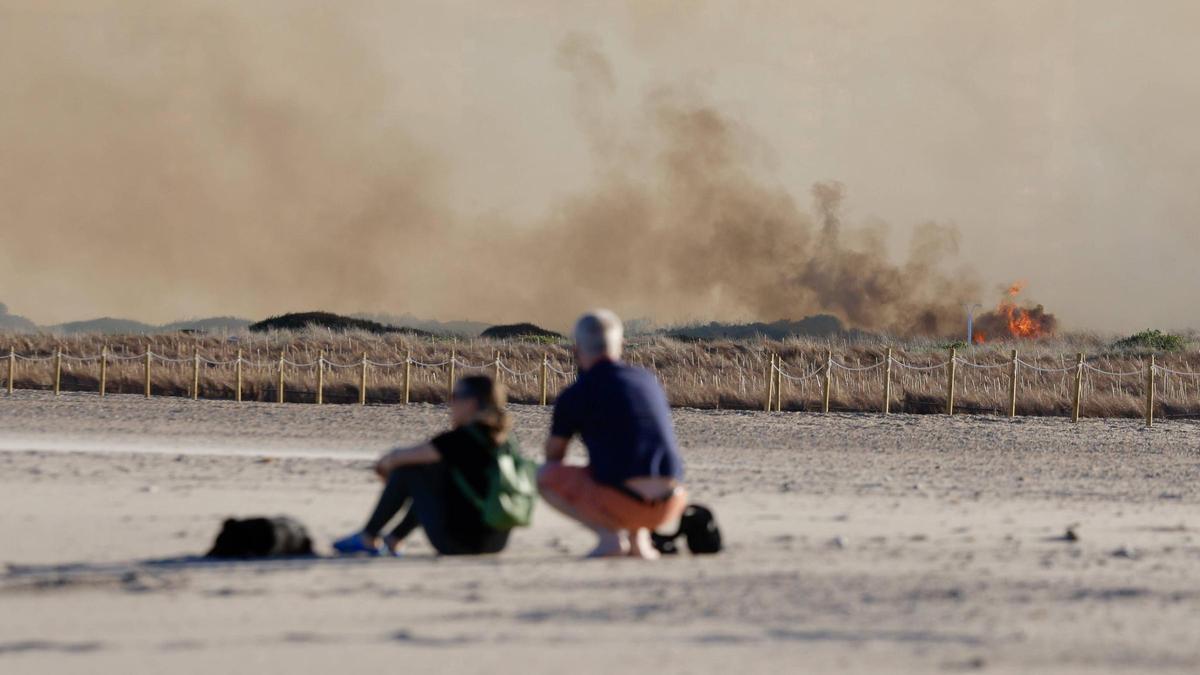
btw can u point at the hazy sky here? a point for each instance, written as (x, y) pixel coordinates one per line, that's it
(163, 160)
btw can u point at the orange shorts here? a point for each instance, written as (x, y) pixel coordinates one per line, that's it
(574, 487)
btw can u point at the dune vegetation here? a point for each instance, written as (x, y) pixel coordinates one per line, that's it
(700, 374)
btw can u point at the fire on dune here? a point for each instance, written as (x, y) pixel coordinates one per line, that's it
(1010, 320)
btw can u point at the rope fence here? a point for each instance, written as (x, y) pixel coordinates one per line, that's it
(320, 365)
(827, 374)
(1080, 368)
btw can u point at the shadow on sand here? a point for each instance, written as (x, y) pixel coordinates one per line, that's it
(155, 573)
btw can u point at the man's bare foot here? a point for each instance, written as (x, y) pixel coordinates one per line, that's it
(611, 545)
(642, 546)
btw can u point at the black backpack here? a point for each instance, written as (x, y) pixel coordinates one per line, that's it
(261, 538)
(698, 526)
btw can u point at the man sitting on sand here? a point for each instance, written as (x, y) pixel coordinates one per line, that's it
(631, 485)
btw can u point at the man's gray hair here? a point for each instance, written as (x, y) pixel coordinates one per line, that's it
(600, 333)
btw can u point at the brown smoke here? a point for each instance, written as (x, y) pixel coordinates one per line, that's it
(164, 163)
(172, 159)
(681, 225)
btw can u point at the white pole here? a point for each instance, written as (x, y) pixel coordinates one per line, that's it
(971, 321)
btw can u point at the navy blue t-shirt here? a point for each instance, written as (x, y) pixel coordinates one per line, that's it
(622, 415)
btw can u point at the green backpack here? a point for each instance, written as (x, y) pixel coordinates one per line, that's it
(511, 486)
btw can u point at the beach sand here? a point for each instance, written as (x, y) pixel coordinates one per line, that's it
(855, 543)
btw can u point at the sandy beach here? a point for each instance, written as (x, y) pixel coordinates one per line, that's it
(856, 543)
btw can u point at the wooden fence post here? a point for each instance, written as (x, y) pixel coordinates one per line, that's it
(407, 375)
(195, 373)
(1150, 392)
(497, 378)
(1012, 387)
(362, 382)
(1078, 399)
(320, 377)
(770, 384)
(57, 370)
(828, 380)
(778, 383)
(12, 367)
(953, 367)
(545, 376)
(146, 370)
(279, 393)
(103, 369)
(237, 366)
(450, 375)
(887, 383)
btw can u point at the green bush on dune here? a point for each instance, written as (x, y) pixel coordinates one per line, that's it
(1152, 340)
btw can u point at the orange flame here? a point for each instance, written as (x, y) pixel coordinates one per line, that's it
(1019, 322)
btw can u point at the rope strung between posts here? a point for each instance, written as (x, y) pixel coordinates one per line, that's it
(856, 369)
(1182, 373)
(1047, 370)
(982, 366)
(911, 367)
(118, 357)
(800, 378)
(83, 359)
(546, 367)
(514, 373)
(165, 359)
(496, 362)
(471, 366)
(1094, 369)
(387, 364)
(229, 363)
(429, 365)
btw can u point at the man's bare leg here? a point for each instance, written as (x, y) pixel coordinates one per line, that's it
(642, 546)
(612, 544)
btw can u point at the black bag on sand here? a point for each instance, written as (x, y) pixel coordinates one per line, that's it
(698, 526)
(261, 538)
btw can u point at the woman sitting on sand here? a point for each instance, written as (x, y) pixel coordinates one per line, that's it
(419, 480)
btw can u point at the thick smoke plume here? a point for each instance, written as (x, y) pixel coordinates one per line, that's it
(171, 162)
(688, 227)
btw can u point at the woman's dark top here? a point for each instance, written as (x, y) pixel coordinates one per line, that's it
(469, 451)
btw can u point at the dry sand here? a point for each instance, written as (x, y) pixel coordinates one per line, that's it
(855, 544)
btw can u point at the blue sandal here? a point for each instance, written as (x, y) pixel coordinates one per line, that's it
(355, 544)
